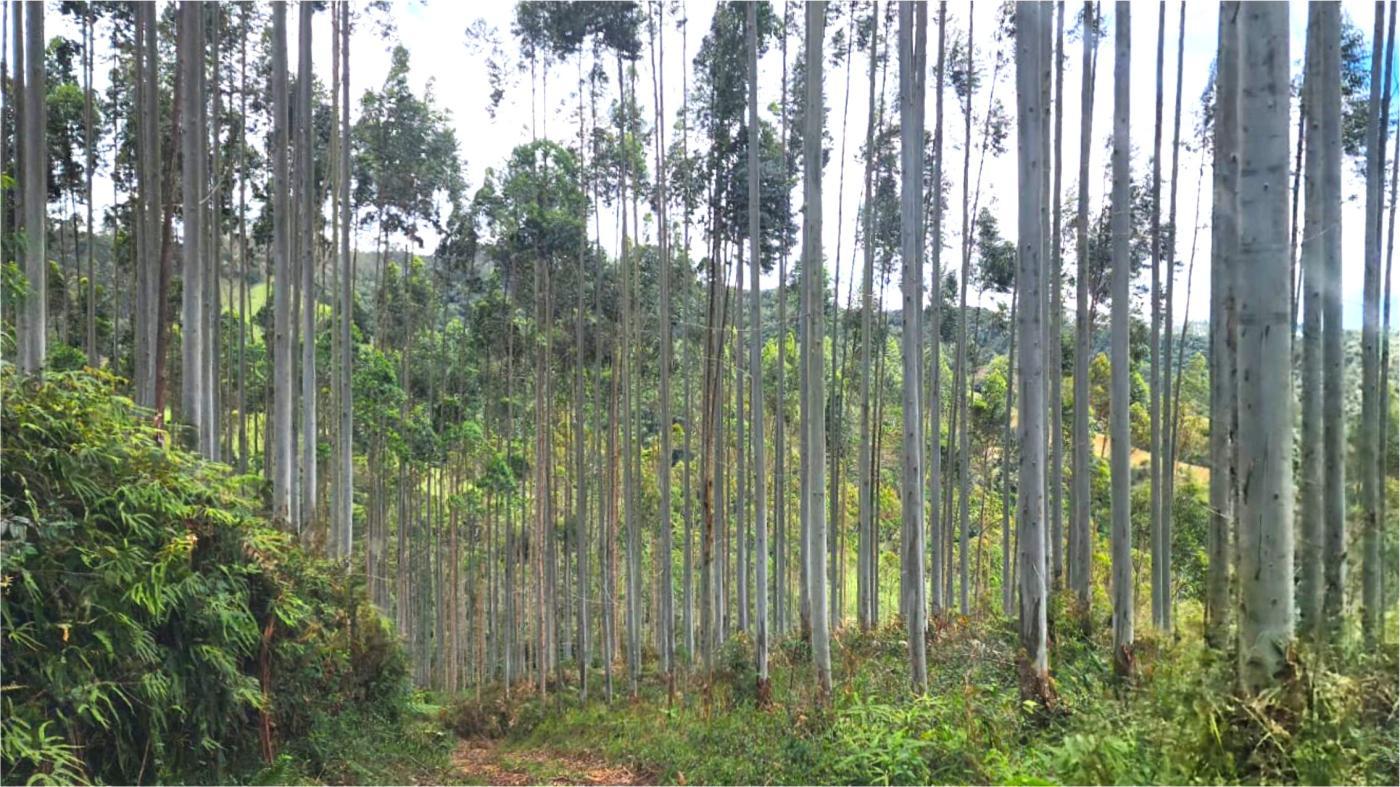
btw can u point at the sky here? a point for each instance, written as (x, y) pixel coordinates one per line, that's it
(435, 32)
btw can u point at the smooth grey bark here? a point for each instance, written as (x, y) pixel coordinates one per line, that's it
(34, 327)
(345, 459)
(937, 601)
(193, 189)
(1265, 524)
(957, 441)
(1322, 98)
(756, 369)
(665, 602)
(243, 304)
(781, 605)
(1080, 536)
(1169, 420)
(1155, 370)
(815, 423)
(687, 569)
(1336, 563)
(1054, 346)
(282, 393)
(580, 426)
(866, 590)
(1368, 444)
(913, 42)
(148, 205)
(1032, 40)
(309, 217)
(90, 334)
(213, 297)
(1224, 261)
(1120, 447)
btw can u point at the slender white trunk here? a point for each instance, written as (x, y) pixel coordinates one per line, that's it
(1120, 469)
(815, 425)
(913, 41)
(1265, 524)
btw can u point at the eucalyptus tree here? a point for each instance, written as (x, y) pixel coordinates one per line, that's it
(1322, 97)
(665, 604)
(913, 42)
(193, 188)
(1054, 346)
(1225, 234)
(937, 601)
(1032, 45)
(1155, 399)
(815, 423)
(283, 396)
(756, 400)
(33, 144)
(1334, 139)
(1265, 524)
(1120, 451)
(1080, 536)
(1368, 448)
(147, 300)
(867, 565)
(342, 518)
(308, 227)
(1168, 409)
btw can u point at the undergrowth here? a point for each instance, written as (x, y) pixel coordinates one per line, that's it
(156, 630)
(1179, 721)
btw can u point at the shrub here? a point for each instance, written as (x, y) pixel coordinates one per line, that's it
(154, 627)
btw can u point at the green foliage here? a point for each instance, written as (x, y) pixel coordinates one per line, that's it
(1180, 722)
(154, 627)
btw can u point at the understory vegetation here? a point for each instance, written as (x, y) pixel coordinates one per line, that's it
(157, 630)
(1182, 721)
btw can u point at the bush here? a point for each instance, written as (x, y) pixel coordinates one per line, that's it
(154, 627)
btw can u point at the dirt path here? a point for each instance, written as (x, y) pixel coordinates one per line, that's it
(482, 761)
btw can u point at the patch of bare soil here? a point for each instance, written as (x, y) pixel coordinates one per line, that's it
(483, 761)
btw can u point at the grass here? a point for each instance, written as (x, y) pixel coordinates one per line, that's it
(1179, 721)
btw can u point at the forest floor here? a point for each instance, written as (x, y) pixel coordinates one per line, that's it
(487, 761)
(1178, 721)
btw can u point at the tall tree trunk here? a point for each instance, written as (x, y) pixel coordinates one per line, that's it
(148, 207)
(243, 305)
(282, 393)
(913, 41)
(815, 424)
(756, 401)
(1225, 235)
(956, 447)
(1121, 449)
(1265, 394)
(665, 602)
(1323, 115)
(1168, 441)
(1154, 448)
(34, 327)
(91, 322)
(937, 601)
(1054, 349)
(1032, 43)
(865, 572)
(193, 189)
(781, 606)
(1368, 449)
(345, 526)
(1080, 535)
(309, 217)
